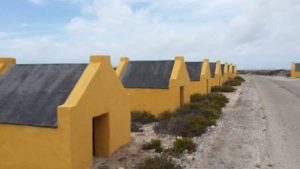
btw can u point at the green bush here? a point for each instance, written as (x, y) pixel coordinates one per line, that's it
(165, 115)
(237, 81)
(212, 98)
(158, 162)
(189, 125)
(239, 78)
(182, 144)
(224, 88)
(154, 144)
(143, 117)
(209, 111)
(192, 119)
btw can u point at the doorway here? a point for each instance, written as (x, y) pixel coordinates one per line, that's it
(181, 95)
(101, 135)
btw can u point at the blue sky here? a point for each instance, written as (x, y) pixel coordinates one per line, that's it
(253, 34)
(30, 19)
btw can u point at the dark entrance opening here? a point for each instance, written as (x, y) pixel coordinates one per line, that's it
(181, 95)
(101, 135)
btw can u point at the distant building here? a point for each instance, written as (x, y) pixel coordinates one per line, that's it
(232, 71)
(216, 74)
(295, 70)
(225, 72)
(58, 116)
(155, 86)
(199, 73)
(5, 63)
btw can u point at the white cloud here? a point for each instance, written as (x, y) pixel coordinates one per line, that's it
(3, 34)
(253, 34)
(36, 2)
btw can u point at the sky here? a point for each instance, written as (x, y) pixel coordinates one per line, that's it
(254, 34)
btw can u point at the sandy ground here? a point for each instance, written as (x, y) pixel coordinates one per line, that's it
(128, 156)
(259, 128)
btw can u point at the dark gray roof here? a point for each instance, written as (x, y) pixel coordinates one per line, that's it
(194, 70)
(212, 68)
(222, 68)
(30, 94)
(147, 74)
(297, 66)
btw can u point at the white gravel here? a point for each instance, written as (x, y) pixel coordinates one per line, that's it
(238, 141)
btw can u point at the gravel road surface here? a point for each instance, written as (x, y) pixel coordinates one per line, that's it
(280, 98)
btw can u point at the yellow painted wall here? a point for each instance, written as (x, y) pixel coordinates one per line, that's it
(230, 74)
(204, 85)
(225, 75)
(294, 73)
(217, 79)
(234, 71)
(97, 92)
(5, 63)
(159, 100)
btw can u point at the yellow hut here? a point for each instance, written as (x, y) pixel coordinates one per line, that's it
(5, 63)
(231, 74)
(295, 70)
(58, 116)
(199, 73)
(155, 86)
(216, 74)
(234, 71)
(225, 72)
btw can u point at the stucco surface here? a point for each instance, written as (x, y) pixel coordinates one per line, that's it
(297, 66)
(212, 69)
(222, 68)
(225, 73)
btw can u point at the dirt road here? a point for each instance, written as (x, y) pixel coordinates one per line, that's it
(239, 140)
(260, 128)
(280, 98)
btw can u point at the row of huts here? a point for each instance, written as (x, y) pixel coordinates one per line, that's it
(157, 86)
(59, 116)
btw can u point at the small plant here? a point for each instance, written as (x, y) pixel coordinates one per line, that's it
(143, 117)
(182, 144)
(158, 162)
(224, 88)
(154, 144)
